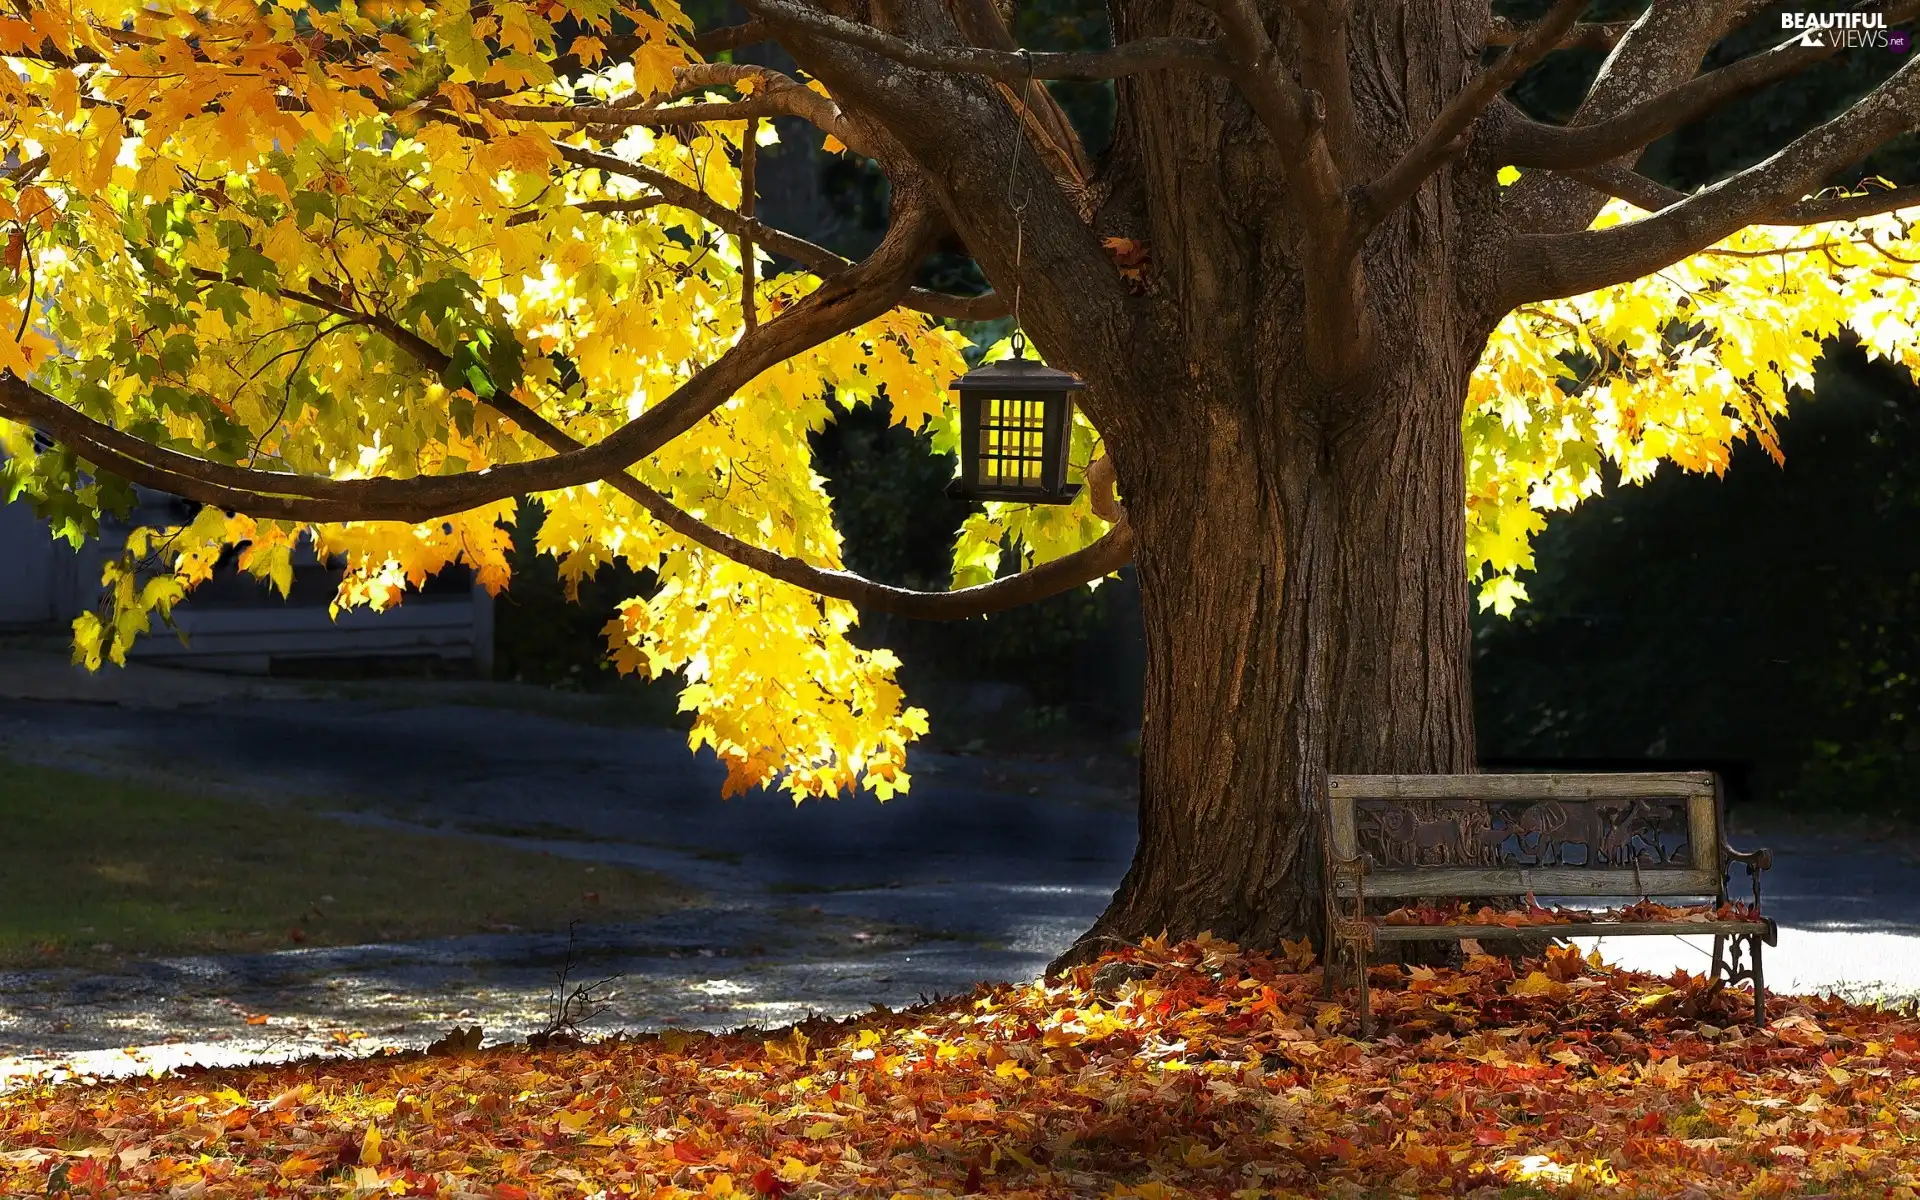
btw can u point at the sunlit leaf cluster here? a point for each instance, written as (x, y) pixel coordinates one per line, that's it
(1674, 367)
(224, 225)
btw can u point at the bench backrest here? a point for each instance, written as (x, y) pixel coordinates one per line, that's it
(1651, 834)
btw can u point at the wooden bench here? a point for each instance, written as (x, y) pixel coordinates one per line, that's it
(1639, 836)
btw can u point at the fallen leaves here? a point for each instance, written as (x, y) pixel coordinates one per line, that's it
(1198, 1070)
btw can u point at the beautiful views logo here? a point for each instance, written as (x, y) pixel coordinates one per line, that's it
(1846, 31)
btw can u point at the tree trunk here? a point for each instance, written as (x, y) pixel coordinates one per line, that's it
(1304, 598)
(1301, 549)
(1281, 397)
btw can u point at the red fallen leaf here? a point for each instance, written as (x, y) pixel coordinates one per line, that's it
(1489, 1135)
(767, 1183)
(972, 1184)
(296, 935)
(511, 1191)
(687, 1152)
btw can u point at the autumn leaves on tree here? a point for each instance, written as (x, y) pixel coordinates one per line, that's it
(1350, 321)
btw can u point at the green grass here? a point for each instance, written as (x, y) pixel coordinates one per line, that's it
(87, 863)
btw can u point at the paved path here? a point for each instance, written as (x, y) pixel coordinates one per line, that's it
(984, 871)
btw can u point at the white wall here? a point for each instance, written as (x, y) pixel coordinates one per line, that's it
(37, 574)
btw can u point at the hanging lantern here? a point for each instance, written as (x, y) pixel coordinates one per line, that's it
(1016, 422)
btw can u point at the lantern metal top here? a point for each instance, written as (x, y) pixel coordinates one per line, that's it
(1013, 377)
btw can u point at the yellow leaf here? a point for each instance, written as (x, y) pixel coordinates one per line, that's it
(1539, 983)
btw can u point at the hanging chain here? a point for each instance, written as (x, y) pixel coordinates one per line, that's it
(1019, 206)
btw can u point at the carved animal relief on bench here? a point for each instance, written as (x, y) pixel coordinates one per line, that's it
(1543, 833)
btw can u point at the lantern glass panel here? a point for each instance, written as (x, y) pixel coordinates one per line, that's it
(1012, 442)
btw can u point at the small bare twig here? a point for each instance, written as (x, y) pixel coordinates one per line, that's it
(574, 1006)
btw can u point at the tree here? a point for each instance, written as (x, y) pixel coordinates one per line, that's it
(370, 273)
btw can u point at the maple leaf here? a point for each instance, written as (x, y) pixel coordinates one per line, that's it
(1539, 983)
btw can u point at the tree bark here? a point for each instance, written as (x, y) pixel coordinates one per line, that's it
(1305, 601)
(1301, 549)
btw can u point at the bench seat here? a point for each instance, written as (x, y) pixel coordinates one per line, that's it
(1383, 932)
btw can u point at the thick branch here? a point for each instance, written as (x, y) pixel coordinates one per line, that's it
(1103, 557)
(775, 94)
(1527, 143)
(1130, 58)
(27, 170)
(841, 304)
(1292, 116)
(981, 23)
(1636, 189)
(732, 37)
(1541, 267)
(1588, 35)
(1324, 67)
(1337, 335)
(1447, 136)
(1661, 51)
(770, 105)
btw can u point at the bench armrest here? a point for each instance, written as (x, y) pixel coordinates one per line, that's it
(1756, 861)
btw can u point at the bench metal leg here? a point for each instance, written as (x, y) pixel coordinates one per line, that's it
(1727, 953)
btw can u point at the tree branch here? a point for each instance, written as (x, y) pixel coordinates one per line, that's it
(776, 95)
(732, 37)
(1447, 136)
(818, 259)
(1130, 58)
(1545, 266)
(981, 23)
(1323, 64)
(1337, 335)
(1588, 35)
(1103, 557)
(1660, 51)
(26, 170)
(1292, 116)
(842, 303)
(1526, 143)
(771, 105)
(1636, 189)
